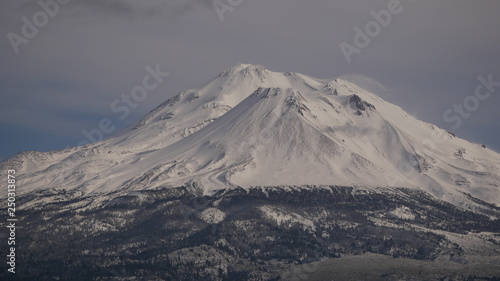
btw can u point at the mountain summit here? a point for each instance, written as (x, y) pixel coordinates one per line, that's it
(251, 127)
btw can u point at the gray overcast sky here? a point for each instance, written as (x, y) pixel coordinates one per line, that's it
(64, 79)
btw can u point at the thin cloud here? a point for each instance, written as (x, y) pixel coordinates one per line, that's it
(143, 9)
(365, 82)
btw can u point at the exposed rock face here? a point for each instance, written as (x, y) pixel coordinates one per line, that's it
(358, 104)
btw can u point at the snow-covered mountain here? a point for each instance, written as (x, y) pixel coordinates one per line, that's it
(253, 127)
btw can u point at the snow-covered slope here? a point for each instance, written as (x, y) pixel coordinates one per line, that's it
(254, 127)
(193, 109)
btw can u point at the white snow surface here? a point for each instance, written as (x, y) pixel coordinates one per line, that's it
(212, 216)
(253, 127)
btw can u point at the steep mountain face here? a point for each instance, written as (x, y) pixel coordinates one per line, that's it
(254, 127)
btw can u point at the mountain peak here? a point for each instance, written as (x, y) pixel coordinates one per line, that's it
(245, 70)
(246, 65)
